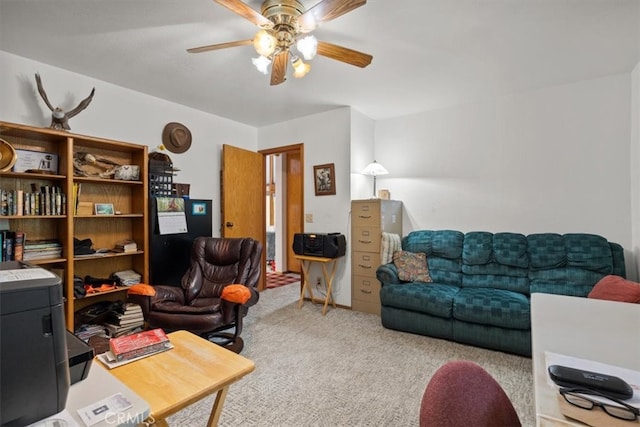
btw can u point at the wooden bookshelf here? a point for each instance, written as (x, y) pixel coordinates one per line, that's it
(129, 199)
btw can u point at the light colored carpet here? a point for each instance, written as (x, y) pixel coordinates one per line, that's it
(343, 369)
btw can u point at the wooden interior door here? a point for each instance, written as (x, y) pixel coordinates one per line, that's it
(294, 205)
(242, 193)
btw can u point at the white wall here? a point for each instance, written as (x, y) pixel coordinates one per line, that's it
(635, 165)
(362, 153)
(326, 139)
(552, 160)
(126, 115)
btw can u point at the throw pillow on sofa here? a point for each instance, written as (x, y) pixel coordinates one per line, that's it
(616, 288)
(411, 266)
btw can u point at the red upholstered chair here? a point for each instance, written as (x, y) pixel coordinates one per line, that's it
(462, 393)
(215, 292)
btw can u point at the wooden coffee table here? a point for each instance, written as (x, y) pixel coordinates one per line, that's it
(174, 379)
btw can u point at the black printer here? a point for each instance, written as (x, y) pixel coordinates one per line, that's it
(328, 245)
(33, 349)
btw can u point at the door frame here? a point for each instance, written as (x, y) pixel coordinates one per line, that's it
(293, 148)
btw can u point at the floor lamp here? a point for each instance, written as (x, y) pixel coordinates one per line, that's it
(374, 169)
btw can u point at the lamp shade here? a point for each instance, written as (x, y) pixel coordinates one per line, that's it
(265, 43)
(374, 169)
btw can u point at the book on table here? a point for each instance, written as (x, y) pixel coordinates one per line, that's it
(139, 344)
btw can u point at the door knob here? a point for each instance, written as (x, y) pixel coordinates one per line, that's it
(229, 224)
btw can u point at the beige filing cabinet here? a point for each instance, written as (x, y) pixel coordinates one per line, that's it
(369, 218)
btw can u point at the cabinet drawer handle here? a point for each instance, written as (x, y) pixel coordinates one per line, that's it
(364, 241)
(364, 216)
(364, 266)
(365, 292)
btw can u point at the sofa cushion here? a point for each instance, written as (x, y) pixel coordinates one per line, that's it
(412, 267)
(441, 243)
(546, 250)
(511, 249)
(569, 281)
(589, 252)
(494, 307)
(434, 298)
(482, 247)
(580, 250)
(616, 288)
(477, 248)
(509, 282)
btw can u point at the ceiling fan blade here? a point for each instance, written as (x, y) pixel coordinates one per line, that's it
(343, 54)
(279, 68)
(325, 11)
(219, 46)
(244, 10)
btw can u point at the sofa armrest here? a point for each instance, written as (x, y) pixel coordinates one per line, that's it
(388, 274)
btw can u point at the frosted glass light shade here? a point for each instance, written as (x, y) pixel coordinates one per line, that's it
(265, 43)
(300, 69)
(262, 64)
(308, 47)
(374, 169)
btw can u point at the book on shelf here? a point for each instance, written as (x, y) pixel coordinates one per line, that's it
(42, 244)
(43, 200)
(18, 246)
(120, 331)
(126, 245)
(41, 249)
(127, 277)
(131, 314)
(8, 241)
(139, 344)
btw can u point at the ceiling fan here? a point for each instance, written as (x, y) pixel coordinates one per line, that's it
(285, 23)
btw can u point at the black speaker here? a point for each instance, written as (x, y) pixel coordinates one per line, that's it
(328, 245)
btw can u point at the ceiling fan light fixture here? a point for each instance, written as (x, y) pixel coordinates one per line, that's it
(308, 47)
(300, 69)
(262, 64)
(265, 43)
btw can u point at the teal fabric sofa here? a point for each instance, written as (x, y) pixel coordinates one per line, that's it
(482, 283)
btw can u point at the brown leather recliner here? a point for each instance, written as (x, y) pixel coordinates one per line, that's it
(197, 305)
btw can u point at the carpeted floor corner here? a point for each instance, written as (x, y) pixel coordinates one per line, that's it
(343, 369)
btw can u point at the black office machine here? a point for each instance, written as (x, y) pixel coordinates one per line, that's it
(33, 351)
(328, 245)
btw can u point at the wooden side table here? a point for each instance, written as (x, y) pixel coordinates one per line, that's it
(305, 263)
(174, 379)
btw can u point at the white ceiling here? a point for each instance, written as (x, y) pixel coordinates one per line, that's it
(427, 54)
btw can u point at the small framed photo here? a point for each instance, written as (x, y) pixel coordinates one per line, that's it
(104, 209)
(198, 208)
(324, 177)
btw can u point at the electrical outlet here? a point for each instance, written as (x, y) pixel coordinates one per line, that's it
(308, 218)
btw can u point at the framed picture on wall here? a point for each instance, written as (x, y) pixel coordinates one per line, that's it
(324, 177)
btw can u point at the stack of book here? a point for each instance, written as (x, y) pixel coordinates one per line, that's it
(42, 249)
(139, 344)
(119, 324)
(127, 277)
(126, 246)
(86, 331)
